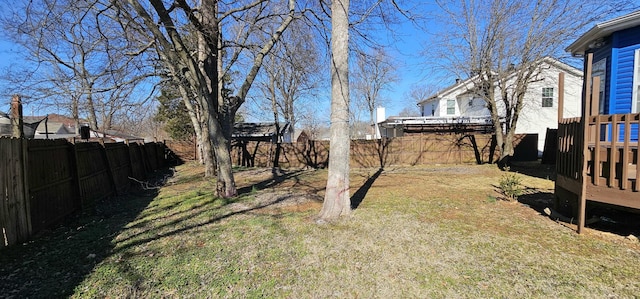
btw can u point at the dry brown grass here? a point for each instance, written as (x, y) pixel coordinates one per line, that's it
(421, 232)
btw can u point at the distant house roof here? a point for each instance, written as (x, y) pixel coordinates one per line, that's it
(115, 136)
(469, 84)
(602, 30)
(28, 128)
(257, 131)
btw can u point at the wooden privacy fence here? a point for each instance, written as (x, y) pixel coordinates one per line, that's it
(409, 150)
(42, 181)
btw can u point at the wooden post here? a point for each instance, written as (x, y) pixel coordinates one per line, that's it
(16, 117)
(560, 96)
(586, 110)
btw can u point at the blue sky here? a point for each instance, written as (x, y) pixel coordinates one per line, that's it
(6, 59)
(405, 53)
(406, 50)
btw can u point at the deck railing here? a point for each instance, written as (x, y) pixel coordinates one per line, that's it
(613, 147)
(613, 155)
(597, 157)
(570, 152)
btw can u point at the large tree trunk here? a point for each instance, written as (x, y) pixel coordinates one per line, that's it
(93, 119)
(207, 153)
(507, 149)
(200, 127)
(226, 185)
(336, 199)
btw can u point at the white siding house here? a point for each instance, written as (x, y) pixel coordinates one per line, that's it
(540, 109)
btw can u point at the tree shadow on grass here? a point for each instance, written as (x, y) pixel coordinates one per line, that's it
(358, 196)
(534, 169)
(277, 177)
(177, 226)
(57, 260)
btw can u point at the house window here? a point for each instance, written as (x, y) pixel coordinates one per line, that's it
(600, 70)
(635, 103)
(451, 107)
(547, 97)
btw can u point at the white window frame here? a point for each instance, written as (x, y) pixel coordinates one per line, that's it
(451, 104)
(547, 96)
(635, 94)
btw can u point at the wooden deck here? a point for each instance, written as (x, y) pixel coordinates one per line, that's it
(597, 158)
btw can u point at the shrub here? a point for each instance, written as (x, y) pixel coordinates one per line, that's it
(510, 186)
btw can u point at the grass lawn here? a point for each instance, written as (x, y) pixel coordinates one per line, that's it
(421, 232)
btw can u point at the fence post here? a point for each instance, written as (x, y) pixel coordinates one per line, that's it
(16, 117)
(24, 177)
(15, 213)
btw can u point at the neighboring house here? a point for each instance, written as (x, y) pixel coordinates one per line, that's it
(29, 127)
(459, 105)
(114, 136)
(55, 126)
(54, 130)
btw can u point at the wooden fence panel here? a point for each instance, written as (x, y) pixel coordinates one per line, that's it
(53, 188)
(15, 222)
(408, 150)
(137, 161)
(161, 149)
(43, 181)
(150, 153)
(305, 154)
(120, 166)
(93, 173)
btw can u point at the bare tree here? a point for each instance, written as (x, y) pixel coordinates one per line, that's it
(373, 73)
(197, 55)
(499, 45)
(291, 74)
(77, 58)
(336, 200)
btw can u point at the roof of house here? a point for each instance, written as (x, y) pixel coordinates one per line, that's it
(602, 30)
(468, 84)
(115, 135)
(256, 130)
(28, 128)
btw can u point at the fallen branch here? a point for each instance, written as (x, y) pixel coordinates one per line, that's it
(155, 184)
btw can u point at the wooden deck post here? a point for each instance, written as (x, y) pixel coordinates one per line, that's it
(587, 98)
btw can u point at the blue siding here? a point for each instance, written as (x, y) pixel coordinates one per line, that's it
(624, 44)
(627, 37)
(633, 135)
(623, 88)
(613, 83)
(620, 49)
